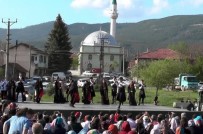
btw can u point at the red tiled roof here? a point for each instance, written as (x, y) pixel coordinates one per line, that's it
(163, 53)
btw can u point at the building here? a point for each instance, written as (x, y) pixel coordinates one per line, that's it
(159, 54)
(92, 50)
(99, 51)
(27, 60)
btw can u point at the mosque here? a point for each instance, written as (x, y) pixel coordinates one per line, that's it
(99, 51)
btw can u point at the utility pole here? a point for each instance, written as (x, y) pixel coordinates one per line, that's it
(9, 24)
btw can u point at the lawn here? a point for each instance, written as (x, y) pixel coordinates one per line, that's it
(166, 98)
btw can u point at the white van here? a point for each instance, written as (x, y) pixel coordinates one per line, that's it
(60, 75)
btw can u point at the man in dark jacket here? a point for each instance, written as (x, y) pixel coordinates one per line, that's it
(20, 89)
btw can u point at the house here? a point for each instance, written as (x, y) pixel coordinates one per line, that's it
(25, 59)
(159, 54)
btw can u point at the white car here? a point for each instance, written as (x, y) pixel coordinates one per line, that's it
(81, 82)
(46, 85)
(125, 80)
(88, 74)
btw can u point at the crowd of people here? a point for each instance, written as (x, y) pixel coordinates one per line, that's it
(15, 120)
(10, 90)
(119, 91)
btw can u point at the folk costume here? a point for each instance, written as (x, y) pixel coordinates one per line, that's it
(92, 88)
(104, 93)
(86, 93)
(121, 96)
(141, 93)
(114, 90)
(73, 92)
(37, 90)
(58, 95)
(131, 94)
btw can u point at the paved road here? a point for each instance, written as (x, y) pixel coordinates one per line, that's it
(95, 107)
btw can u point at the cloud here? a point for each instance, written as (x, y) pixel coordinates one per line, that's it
(158, 6)
(196, 3)
(89, 3)
(127, 9)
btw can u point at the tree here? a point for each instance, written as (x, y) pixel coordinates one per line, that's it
(58, 47)
(161, 73)
(75, 62)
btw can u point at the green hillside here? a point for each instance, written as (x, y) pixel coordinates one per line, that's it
(150, 34)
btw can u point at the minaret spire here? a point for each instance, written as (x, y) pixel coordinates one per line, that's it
(114, 16)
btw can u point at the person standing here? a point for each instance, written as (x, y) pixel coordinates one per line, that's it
(86, 91)
(92, 88)
(3, 89)
(104, 92)
(57, 91)
(41, 90)
(37, 89)
(11, 91)
(131, 94)
(20, 89)
(141, 93)
(114, 89)
(73, 90)
(121, 97)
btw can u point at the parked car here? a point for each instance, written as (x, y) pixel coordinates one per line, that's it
(46, 85)
(46, 79)
(125, 80)
(88, 74)
(60, 75)
(81, 82)
(33, 80)
(29, 88)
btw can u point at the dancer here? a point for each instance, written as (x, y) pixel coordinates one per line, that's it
(73, 92)
(141, 93)
(121, 97)
(104, 92)
(37, 89)
(86, 93)
(57, 91)
(92, 88)
(131, 94)
(114, 89)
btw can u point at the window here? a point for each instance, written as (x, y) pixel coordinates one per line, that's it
(89, 57)
(111, 58)
(40, 58)
(45, 60)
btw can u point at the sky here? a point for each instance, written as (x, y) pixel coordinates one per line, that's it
(32, 12)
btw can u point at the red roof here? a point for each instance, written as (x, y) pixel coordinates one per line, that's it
(163, 53)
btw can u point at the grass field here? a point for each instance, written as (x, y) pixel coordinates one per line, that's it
(165, 98)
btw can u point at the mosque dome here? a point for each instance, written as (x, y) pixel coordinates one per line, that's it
(94, 39)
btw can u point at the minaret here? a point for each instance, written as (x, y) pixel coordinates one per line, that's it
(114, 16)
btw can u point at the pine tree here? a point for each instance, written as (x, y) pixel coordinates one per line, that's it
(58, 47)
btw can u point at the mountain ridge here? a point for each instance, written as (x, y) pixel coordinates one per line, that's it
(151, 34)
